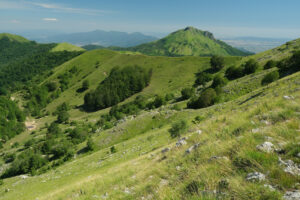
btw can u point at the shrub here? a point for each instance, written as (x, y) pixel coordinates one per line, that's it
(178, 128)
(52, 86)
(219, 81)
(90, 146)
(26, 162)
(193, 187)
(169, 96)
(62, 148)
(217, 63)
(78, 135)
(63, 117)
(270, 64)
(158, 102)
(234, 72)
(251, 66)
(85, 85)
(207, 98)
(187, 93)
(270, 77)
(203, 78)
(53, 130)
(113, 149)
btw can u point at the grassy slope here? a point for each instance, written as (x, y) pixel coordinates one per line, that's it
(189, 41)
(169, 74)
(138, 166)
(12, 37)
(66, 47)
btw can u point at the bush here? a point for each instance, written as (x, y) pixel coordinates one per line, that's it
(251, 66)
(207, 98)
(85, 85)
(113, 149)
(217, 63)
(169, 96)
(53, 130)
(158, 102)
(63, 117)
(90, 146)
(270, 77)
(78, 135)
(234, 72)
(187, 93)
(178, 128)
(219, 81)
(51, 86)
(26, 162)
(270, 64)
(203, 78)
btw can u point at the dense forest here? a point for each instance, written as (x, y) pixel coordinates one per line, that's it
(121, 84)
(19, 72)
(16, 50)
(11, 119)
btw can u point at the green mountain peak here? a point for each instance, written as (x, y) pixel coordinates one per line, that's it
(189, 41)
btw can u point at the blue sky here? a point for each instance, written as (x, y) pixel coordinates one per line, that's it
(225, 18)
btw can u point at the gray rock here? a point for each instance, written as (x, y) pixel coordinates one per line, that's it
(199, 132)
(255, 130)
(127, 191)
(189, 150)
(298, 155)
(290, 167)
(267, 147)
(181, 142)
(270, 187)
(255, 176)
(265, 122)
(165, 150)
(218, 158)
(288, 97)
(292, 195)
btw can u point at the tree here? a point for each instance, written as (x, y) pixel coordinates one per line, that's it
(187, 93)
(270, 77)
(207, 98)
(63, 116)
(85, 85)
(90, 146)
(203, 78)
(178, 128)
(217, 62)
(234, 72)
(251, 66)
(219, 81)
(270, 64)
(113, 149)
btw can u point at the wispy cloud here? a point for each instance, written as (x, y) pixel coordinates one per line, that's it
(63, 8)
(50, 19)
(14, 21)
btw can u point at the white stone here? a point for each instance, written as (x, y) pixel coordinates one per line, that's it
(292, 195)
(255, 176)
(267, 147)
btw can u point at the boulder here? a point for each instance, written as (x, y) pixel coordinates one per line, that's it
(165, 150)
(199, 132)
(270, 187)
(292, 195)
(290, 167)
(288, 97)
(255, 176)
(267, 147)
(189, 150)
(181, 142)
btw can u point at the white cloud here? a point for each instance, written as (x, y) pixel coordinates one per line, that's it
(50, 19)
(14, 21)
(63, 8)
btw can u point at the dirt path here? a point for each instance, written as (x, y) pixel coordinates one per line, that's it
(30, 125)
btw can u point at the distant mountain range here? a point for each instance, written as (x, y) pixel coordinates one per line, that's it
(99, 37)
(184, 42)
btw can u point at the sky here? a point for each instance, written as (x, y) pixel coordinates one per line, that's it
(224, 18)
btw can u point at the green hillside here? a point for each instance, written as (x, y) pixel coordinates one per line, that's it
(234, 116)
(66, 47)
(188, 42)
(13, 38)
